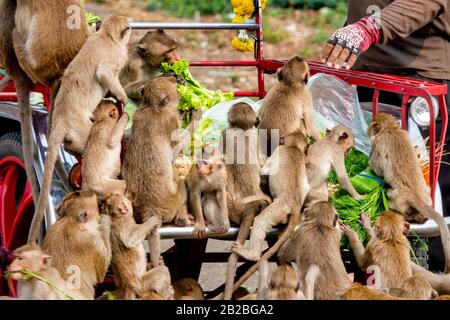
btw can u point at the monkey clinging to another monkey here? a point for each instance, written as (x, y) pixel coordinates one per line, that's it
(89, 77)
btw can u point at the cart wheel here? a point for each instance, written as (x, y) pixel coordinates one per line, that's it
(16, 201)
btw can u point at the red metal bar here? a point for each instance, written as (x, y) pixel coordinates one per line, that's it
(247, 93)
(259, 53)
(8, 96)
(405, 112)
(375, 98)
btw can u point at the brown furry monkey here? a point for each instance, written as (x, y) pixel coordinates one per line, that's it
(188, 289)
(243, 177)
(317, 242)
(101, 159)
(439, 282)
(388, 248)
(326, 154)
(128, 261)
(89, 77)
(31, 258)
(393, 158)
(146, 57)
(289, 187)
(153, 182)
(78, 243)
(288, 106)
(208, 196)
(37, 48)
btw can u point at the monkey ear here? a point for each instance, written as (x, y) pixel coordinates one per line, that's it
(376, 127)
(123, 33)
(164, 102)
(406, 228)
(306, 79)
(377, 230)
(140, 91)
(335, 221)
(280, 75)
(343, 137)
(141, 48)
(83, 217)
(46, 261)
(282, 141)
(327, 132)
(98, 25)
(258, 121)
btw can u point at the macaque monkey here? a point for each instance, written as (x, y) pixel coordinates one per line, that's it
(289, 187)
(153, 182)
(439, 282)
(79, 241)
(317, 242)
(155, 285)
(288, 106)
(31, 258)
(88, 78)
(393, 158)
(145, 59)
(101, 159)
(36, 45)
(285, 284)
(388, 248)
(240, 147)
(208, 196)
(324, 155)
(129, 261)
(413, 288)
(188, 289)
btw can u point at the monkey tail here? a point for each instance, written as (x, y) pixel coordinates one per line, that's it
(55, 141)
(24, 86)
(244, 232)
(293, 221)
(443, 228)
(310, 281)
(255, 198)
(263, 280)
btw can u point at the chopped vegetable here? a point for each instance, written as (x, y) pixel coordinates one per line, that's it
(92, 19)
(193, 95)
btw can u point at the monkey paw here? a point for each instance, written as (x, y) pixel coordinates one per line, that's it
(221, 229)
(184, 222)
(199, 230)
(365, 220)
(346, 229)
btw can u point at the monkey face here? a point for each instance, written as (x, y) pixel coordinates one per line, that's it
(207, 167)
(106, 109)
(28, 257)
(157, 47)
(296, 71)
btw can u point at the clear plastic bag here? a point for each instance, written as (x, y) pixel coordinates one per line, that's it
(336, 102)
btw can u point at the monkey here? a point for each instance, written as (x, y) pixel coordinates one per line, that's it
(393, 159)
(413, 288)
(388, 248)
(285, 284)
(37, 52)
(31, 258)
(86, 81)
(326, 154)
(145, 59)
(289, 187)
(152, 181)
(79, 241)
(101, 159)
(317, 242)
(156, 285)
(288, 105)
(208, 196)
(188, 289)
(243, 177)
(439, 282)
(128, 261)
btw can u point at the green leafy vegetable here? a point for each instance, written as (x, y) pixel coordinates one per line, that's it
(355, 162)
(193, 95)
(92, 18)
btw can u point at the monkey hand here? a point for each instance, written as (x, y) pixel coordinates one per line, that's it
(346, 44)
(349, 232)
(121, 97)
(199, 230)
(365, 221)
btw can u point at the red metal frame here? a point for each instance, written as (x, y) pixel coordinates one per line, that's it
(379, 82)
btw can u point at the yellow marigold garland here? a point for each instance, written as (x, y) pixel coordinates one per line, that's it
(243, 10)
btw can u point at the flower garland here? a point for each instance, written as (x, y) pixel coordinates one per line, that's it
(243, 10)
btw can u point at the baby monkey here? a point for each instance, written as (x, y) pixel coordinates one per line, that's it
(128, 255)
(208, 196)
(101, 160)
(326, 154)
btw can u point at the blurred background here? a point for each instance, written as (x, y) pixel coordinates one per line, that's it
(291, 27)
